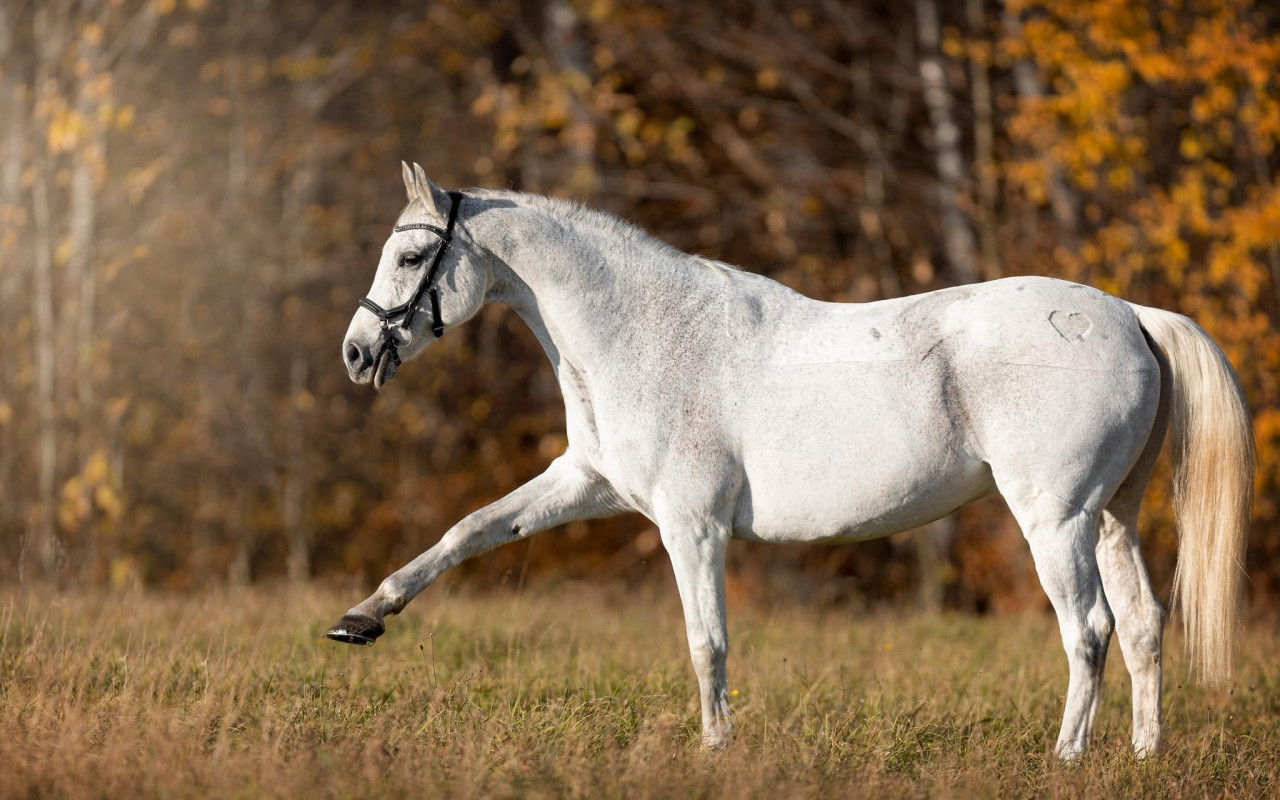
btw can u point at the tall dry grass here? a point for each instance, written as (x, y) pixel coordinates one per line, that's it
(574, 692)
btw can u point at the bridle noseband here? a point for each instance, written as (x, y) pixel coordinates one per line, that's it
(406, 311)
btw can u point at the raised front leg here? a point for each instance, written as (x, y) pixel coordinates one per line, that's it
(567, 491)
(697, 551)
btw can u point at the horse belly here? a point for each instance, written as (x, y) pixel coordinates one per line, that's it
(848, 451)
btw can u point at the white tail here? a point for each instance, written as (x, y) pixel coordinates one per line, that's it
(1213, 464)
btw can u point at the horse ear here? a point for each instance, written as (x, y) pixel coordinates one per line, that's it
(433, 198)
(409, 187)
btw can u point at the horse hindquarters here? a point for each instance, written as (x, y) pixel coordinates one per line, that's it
(1060, 448)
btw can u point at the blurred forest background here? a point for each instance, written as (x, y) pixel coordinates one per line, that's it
(193, 195)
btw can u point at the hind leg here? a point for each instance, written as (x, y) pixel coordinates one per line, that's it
(1139, 617)
(1139, 620)
(1062, 538)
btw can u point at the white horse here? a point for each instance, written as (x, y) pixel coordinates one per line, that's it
(722, 405)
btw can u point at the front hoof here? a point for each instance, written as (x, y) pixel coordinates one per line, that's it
(356, 630)
(1070, 753)
(716, 738)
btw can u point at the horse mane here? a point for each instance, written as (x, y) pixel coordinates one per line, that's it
(572, 211)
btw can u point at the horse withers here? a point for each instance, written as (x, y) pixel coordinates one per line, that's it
(723, 405)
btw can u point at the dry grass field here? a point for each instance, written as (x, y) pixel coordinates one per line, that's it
(580, 692)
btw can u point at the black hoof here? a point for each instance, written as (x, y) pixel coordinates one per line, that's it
(356, 630)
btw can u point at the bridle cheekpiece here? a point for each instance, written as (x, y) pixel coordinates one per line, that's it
(402, 315)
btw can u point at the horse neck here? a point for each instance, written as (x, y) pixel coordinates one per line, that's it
(585, 291)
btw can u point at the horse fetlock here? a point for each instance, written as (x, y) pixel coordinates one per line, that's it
(392, 599)
(716, 735)
(1147, 744)
(1070, 751)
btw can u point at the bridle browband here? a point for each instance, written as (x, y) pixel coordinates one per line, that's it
(405, 311)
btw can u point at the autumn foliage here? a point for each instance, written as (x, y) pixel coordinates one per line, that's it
(192, 197)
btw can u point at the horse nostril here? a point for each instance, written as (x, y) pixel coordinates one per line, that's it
(357, 356)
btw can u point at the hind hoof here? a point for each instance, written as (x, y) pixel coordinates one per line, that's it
(356, 630)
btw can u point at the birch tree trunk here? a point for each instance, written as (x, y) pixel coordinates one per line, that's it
(984, 147)
(933, 543)
(551, 29)
(1062, 199)
(44, 545)
(13, 114)
(239, 529)
(83, 223)
(957, 236)
(871, 216)
(296, 483)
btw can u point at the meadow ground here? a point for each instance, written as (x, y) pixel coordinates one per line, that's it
(581, 692)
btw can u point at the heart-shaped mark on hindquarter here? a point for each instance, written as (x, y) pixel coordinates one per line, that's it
(1071, 325)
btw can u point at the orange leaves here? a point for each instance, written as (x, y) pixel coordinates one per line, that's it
(1165, 125)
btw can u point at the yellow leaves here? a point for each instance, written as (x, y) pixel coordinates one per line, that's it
(767, 79)
(453, 61)
(95, 491)
(125, 573)
(628, 122)
(6, 414)
(62, 251)
(140, 179)
(953, 45)
(1190, 146)
(603, 58)
(163, 7)
(301, 68)
(599, 10)
(67, 127)
(124, 117)
(1032, 177)
(96, 469)
(220, 106)
(1120, 177)
(108, 502)
(551, 445)
(114, 409)
(485, 103)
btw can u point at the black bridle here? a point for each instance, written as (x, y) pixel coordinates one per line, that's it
(405, 311)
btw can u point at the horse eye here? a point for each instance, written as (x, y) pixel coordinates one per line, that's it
(410, 260)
